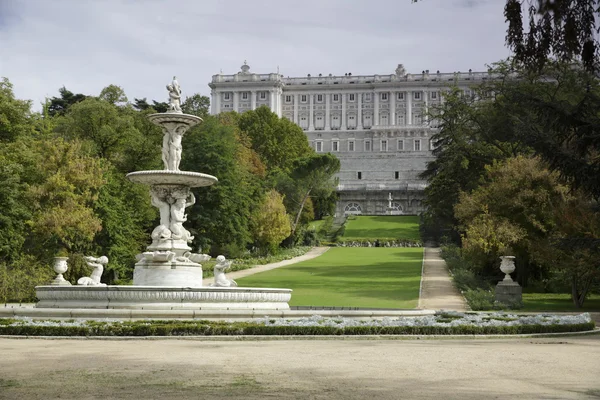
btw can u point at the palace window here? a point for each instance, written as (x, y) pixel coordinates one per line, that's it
(227, 96)
(263, 95)
(335, 145)
(351, 145)
(318, 146)
(288, 99)
(397, 175)
(400, 96)
(417, 145)
(367, 145)
(244, 95)
(384, 145)
(384, 96)
(303, 98)
(336, 97)
(433, 95)
(367, 96)
(400, 144)
(351, 97)
(359, 175)
(353, 208)
(417, 95)
(319, 98)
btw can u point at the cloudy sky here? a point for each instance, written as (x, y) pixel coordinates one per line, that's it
(139, 45)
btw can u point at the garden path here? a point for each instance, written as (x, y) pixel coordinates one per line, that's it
(437, 289)
(312, 253)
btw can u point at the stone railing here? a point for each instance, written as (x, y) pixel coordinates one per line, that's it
(381, 186)
(247, 78)
(431, 77)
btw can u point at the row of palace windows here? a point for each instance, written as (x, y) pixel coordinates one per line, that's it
(384, 96)
(245, 95)
(359, 175)
(383, 145)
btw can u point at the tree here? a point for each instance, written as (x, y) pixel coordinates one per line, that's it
(220, 217)
(270, 222)
(471, 134)
(196, 105)
(143, 105)
(277, 141)
(60, 105)
(113, 94)
(512, 211)
(309, 176)
(15, 115)
(558, 29)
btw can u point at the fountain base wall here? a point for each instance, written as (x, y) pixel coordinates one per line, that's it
(162, 298)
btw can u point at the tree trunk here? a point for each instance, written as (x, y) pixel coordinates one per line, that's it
(299, 212)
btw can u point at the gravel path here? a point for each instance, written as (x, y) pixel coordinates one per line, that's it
(438, 291)
(532, 368)
(312, 253)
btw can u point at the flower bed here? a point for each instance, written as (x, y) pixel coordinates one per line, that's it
(445, 323)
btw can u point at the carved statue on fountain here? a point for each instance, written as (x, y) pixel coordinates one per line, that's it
(171, 203)
(174, 97)
(219, 271)
(98, 263)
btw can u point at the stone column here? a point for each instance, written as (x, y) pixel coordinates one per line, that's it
(376, 108)
(272, 100)
(213, 101)
(343, 125)
(278, 107)
(236, 100)
(327, 113)
(392, 118)
(425, 118)
(409, 97)
(253, 100)
(359, 124)
(296, 117)
(311, 102)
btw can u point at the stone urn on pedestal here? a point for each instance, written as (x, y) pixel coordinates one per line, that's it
(507, 290)
(60, 267)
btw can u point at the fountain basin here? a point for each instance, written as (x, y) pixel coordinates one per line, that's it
(168, 177)
(162, 298)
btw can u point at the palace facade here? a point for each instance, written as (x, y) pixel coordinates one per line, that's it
(377, 126)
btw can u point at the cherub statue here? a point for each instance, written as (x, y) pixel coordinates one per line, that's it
(174, 97)
(98, 265)
(220, 279)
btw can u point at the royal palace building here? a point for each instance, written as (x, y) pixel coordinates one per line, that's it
(377, 125)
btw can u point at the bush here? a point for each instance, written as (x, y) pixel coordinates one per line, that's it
(206, 328)
(480, 299)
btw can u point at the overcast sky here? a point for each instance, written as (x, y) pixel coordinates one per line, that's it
(139, 45)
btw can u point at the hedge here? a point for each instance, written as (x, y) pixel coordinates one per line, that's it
(195, 328)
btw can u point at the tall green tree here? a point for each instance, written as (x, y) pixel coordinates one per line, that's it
(220, 217)
(312, 176)
(196, 104)
(277, 141)
(60, 105)
(15, 115)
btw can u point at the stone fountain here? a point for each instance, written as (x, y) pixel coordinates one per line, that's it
(168, 275)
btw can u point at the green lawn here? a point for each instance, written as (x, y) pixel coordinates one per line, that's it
(392, 226)
(557, 302)
(350, 277)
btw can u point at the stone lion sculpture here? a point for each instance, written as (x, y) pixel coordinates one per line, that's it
(220, 279)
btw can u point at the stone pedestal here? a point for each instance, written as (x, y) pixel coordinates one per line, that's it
(509, 292)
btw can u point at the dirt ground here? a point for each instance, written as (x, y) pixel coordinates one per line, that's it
(558, 368)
